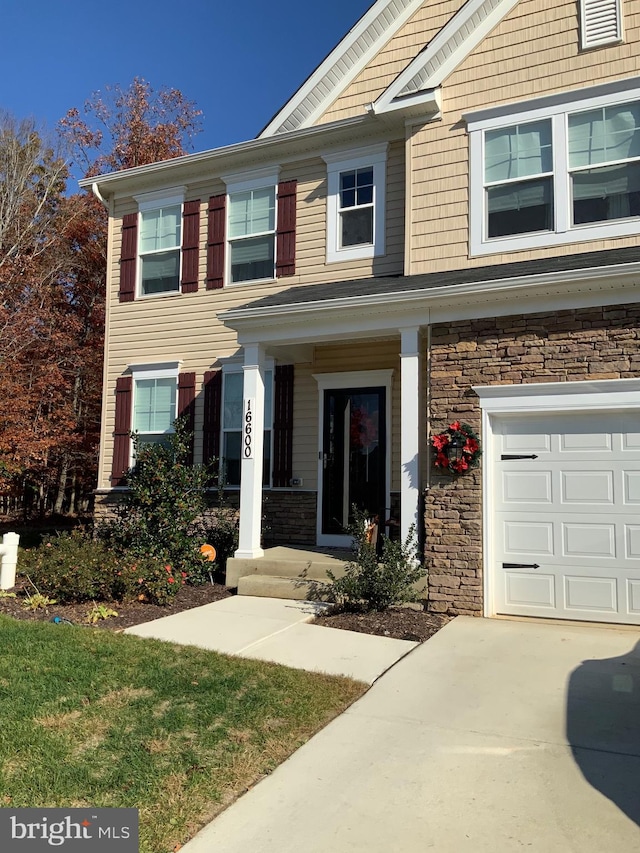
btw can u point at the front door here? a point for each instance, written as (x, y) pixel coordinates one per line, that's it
(353, 458)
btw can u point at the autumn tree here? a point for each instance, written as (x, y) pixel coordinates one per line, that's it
(52, 284)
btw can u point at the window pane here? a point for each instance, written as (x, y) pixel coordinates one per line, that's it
(231, 457)
(252, 259)
(612, 192)
(155, 405)
(519, 208)
(356, 227)
(160, 272)
(603, 135)
(232, 415)
(519, 151)
(160, 229)
(252, 212)
(268, 398)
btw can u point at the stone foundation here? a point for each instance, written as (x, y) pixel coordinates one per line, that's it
(581, 344)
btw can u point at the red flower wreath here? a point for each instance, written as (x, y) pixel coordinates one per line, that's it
(463, 437)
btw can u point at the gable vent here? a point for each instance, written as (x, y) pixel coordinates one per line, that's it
(600, 22)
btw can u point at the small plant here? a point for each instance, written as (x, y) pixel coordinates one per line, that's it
(37, 601)
(99, 612)
(4, 593)
(373, 583)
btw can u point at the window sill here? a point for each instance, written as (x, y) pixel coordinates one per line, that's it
(523, 242)
(164, 295)
(356, 253)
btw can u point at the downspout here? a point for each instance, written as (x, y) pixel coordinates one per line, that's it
(98, 195)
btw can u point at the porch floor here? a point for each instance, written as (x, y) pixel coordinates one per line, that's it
(287, 572)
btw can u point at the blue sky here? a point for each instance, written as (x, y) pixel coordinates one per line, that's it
(239, 60)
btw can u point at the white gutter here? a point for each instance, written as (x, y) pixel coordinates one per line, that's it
(474, 288)
(97, 194)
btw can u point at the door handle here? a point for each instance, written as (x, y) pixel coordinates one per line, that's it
(520, 566)
(506, 456)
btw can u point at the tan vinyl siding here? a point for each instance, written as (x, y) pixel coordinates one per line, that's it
(534, 51)
(391, 60)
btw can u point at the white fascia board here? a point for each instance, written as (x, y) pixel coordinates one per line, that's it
(451, 46)
(388, 313)
(559, 396)
(376, 27)
(233, 158)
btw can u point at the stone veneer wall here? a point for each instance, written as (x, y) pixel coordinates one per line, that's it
(581, 344)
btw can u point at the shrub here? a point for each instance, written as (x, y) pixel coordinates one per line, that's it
(165, 497)
(73, 567)
(220, 530)
(147, 578)
(373, 583)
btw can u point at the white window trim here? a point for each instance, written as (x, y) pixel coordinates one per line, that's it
(165, 370)
(372, 156)
(557, 111)
(153, 201)
(243, 182)
(236, 366)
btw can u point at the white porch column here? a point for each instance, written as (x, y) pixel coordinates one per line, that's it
(410, 419)
(251, 449)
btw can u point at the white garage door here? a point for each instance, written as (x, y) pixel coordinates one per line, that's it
(567, 516)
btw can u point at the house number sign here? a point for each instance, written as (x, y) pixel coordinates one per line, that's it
(247, 444)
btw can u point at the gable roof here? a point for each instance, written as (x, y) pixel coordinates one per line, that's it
(414, 86)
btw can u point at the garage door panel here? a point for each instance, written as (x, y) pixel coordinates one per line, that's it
(572, 511)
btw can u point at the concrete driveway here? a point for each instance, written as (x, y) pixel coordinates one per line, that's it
(492, 736)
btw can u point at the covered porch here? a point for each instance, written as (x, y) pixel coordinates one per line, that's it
(359, 423)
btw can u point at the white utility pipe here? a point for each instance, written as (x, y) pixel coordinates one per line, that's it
(9, 560)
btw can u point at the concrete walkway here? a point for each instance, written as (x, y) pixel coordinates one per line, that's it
(277, 630)
(492, 736)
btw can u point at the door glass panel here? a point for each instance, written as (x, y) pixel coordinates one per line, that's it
(354, 452)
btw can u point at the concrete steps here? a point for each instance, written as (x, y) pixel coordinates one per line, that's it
(285, 573)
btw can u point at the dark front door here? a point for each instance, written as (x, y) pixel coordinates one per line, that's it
(353, 456)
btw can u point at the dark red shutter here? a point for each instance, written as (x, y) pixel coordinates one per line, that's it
(215, 242)
(190, 246)
(212, 415)
(121, 433)
(286, 229)
(128, 257)
(283, 426)
(187, 405)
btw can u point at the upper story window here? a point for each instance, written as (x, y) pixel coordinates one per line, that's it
(232, 407)
(252, 233)
(154, 403)
(159, 242)
(251, 226)
(356, 203)
(559, 173)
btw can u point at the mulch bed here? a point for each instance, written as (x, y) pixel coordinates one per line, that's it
(401, 623)
(129, 613)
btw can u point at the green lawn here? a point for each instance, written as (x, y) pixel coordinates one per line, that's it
(89, 718)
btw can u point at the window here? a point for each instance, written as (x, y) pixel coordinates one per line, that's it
(154, 403)
(159, 241)
(252, 231)
(559, 173)
(356, 203)
(231, 445)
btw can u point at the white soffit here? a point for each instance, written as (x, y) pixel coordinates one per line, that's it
(342, 66)
(455, 41)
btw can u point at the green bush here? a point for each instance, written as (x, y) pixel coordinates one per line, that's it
(72, 567)
(159, 513)
(375, 583)
(146, 579)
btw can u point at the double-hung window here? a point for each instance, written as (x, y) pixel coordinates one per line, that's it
(561, 171)
(356, 203)
(154, 402)
(159, 241)
(231, 445)
(251, 227)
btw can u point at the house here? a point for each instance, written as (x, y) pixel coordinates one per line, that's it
(440, 225)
